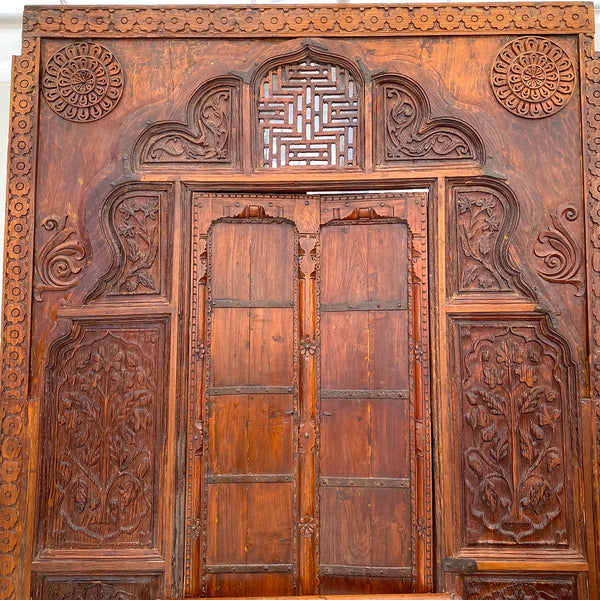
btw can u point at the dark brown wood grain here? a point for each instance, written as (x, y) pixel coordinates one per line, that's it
(302, 300)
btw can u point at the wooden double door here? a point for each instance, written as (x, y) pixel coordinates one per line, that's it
(312, 471)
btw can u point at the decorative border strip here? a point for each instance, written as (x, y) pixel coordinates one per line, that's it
(16, 316)
(551, 17)
(591, 101)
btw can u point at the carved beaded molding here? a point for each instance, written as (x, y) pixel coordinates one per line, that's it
(552, 17)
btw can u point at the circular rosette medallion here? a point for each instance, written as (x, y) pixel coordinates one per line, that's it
(533, 77)
(82, 82)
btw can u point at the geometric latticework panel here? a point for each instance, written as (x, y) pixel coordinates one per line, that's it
(308, 115)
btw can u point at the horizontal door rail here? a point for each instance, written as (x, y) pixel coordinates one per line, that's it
(365, 482)
(235, 303)
(370, 305)
(431, 596)
(235, 390)
(366, 394)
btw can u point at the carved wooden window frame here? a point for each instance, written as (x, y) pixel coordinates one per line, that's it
(20, 419)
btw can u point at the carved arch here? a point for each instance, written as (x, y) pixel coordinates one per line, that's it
(405, 132)
(303, 114)
(209, 135)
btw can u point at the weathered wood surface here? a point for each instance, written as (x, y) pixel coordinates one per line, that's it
(227, 372)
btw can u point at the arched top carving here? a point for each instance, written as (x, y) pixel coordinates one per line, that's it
(407, 134)
(309, 111)
(209, 135)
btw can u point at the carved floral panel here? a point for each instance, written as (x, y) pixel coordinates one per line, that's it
(514, 393)
(137, 220)
(521, 588)
(104, 421)
(102, 588)
(480, 258)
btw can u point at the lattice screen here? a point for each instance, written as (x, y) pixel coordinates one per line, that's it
(308, 115)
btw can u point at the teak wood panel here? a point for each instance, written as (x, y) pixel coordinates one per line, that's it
(392, 392)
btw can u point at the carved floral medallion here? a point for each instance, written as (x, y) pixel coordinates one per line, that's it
(82, 82)
(533, 77)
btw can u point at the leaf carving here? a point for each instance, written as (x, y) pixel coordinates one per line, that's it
(527, 445)
(499, 446)
(495, 404)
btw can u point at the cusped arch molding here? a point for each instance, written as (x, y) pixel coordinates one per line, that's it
(209, 136)
(407, 134)
(309, 110)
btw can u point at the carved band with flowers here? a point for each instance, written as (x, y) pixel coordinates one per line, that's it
(551, 17)
(16, 315)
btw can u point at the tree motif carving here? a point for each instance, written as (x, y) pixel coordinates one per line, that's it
(561, 254)
(208, 137)
(502, 589)
(83, 82)
(533, 77)
(513, 403)
(484, 219)
(136, 220)
(105, 395)
(61, 259)
(410, 133)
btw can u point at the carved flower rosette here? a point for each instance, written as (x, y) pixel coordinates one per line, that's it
(512, 441)
(533, 77)
(82, 82)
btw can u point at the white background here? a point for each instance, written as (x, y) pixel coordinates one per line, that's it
(11, 12)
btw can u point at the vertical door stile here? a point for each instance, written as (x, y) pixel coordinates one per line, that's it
(195, 418)
(308, 424)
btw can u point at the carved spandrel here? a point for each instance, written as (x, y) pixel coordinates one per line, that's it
(208, 137)
(484, 220)
(104, 417)
(407, 133)
(514, 392)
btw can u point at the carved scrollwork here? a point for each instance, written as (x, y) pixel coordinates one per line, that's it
(485, 217)
(408, 133)
(61, 259)
(514, 387)
(533, 77)
(208, 137)
(83, 82)
(561, 254)
(105, 391)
